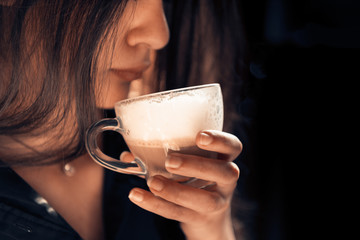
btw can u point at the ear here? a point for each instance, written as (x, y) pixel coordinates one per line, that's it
(7, 2)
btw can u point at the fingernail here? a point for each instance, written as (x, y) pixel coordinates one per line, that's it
(205, 139)
(155, 183)
(173, 162)
(136, 196)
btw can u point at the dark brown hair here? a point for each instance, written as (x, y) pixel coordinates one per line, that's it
(206, 45)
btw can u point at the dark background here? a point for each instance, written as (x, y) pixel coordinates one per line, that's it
(299, 117)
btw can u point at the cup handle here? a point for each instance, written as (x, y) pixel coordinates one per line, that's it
(110, 124)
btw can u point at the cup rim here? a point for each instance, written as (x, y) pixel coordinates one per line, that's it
(128, 100)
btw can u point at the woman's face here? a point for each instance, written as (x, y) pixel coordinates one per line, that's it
(125, 65)
(142, 30)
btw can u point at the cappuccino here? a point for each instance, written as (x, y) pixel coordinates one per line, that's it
(154, 153)
(158, 124)
(171, 114)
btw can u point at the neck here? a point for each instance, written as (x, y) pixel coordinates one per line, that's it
(77, 198)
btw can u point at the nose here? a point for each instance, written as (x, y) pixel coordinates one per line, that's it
(148, 25)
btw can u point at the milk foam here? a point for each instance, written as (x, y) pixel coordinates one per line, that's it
(173, 115)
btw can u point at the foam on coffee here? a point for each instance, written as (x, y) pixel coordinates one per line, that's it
(162, 117)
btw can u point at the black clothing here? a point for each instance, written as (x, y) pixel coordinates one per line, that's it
(26, 215)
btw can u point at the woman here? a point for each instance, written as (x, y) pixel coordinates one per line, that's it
(62, 63)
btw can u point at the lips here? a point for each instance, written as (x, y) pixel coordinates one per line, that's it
(130, 74)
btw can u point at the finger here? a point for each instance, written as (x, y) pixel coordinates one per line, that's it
(182, 195)
(221, 142)
(159, 206)
(126, 156)
(225, 174)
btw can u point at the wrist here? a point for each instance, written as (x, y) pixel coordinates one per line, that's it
(217, 228)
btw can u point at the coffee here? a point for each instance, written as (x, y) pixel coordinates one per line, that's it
(173, 115)
(154, 154)
(157, 124)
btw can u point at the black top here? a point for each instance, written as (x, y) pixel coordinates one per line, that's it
(25, 215)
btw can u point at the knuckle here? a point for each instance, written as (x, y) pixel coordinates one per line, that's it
(177, 213)
(213, 203)
(236, 145)
(239, 146)
(177, 197)
(231, 173)
(232, 144)
(157, 206)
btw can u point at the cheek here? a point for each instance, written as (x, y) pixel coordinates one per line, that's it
(109, 91)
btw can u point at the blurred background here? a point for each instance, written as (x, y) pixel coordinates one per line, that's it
(297, 117)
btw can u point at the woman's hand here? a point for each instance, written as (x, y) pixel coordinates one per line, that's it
(203, 213)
